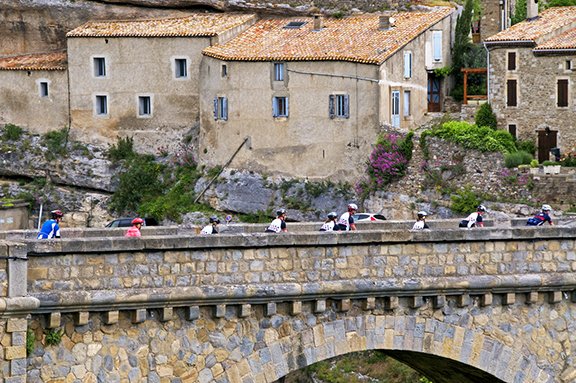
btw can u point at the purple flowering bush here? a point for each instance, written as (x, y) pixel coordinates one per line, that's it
(387, 162)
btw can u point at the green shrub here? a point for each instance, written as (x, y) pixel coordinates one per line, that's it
(53, 337)
(486, 117)
(122, 150)
(569, 160)
(470, 136)
(465, 201)
(534, 163)
(512, 160)
(528, 146)
(30, 342)
(12, 132)
(56, 142)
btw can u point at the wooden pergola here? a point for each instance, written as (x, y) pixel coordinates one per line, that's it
(467, 96)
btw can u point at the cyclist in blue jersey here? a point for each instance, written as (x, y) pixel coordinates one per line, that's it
(50, 228)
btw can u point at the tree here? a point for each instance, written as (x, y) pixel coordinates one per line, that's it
(462, 43)
(519, 12)
(486, 117)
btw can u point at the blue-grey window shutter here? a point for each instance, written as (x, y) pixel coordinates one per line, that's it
(347, 106)
(275, 107)
(225, 108)
(215, 108)
(331, 106)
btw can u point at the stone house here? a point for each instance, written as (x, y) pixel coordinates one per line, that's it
(312, 94)
(531, 78)
(140, 78)
(34, 91)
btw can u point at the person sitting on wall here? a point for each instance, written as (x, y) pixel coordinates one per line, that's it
(346, 221)
(420, 223)
(279, 223)
(134, 230)
(212, 227)
(540, 218)
(330, 223)
(51, 228)
(474, 219)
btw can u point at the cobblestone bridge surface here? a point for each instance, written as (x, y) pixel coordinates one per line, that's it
(486, 305)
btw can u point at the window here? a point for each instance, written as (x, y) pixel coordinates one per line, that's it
(512, 129)
(278, 71)
(180, 68)
(406, 103)
(511, 60)
(511, 93)
(144, 106)
(437, 45)
(43, 87)
(221, 108)
(562, 90)
(280, 106)
(99, 67)
(339, 106)
(224, 72)
(294, 24)
(407, 64)
(568, 65)
(101, 105)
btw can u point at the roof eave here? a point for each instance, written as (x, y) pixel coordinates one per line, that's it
(505, 43)
(554, 51)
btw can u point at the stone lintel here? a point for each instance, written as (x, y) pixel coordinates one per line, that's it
(555, 297)
(438, 301)
(509, 299)
(532, 297)
(390, 303)
(344, 305)
(296, 308)
(54, 319)
(463, 300)
(271, 309)
(245, 310)
(111, 317)
(166, 314)
(139, 316)
(320, 306)
(486, 299)
(219, 311)
(193, 312)
(81, 318)
(415, 302)
(369, 303)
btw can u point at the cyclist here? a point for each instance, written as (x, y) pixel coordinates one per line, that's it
(346, 221)
(51, 228)
(212, 227)
(279, 223)
(134, 230)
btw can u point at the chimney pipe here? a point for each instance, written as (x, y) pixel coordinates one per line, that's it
(384, 22)
(317, 22)
(532, 9)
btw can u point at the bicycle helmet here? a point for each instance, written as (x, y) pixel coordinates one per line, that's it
(136, 221)
(546, 207)
(214, 219)
(422, 213)
(280, 212)
(352, 206)
(332, 215)
(481, 208)
(56, 214)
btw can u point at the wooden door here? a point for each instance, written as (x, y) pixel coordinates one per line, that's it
(434, 93)
(546, 141)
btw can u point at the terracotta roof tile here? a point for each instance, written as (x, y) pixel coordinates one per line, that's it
(355, 38)
(37, 61)
(566, 40)
(548, 21)
(198, 25)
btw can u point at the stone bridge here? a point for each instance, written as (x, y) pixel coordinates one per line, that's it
(468, 306)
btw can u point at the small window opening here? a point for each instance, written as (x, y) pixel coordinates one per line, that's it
(294, 24)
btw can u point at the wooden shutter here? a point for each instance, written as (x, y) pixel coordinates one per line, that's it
(562, 93)
(215, 108)
(407, 64)
(511, 93)
(225, 108)
(346, 106)
(437, 45)
(511, 60)
(332, 106)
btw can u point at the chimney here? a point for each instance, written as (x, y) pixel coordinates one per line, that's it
(532, 9)
(384, 23)
(317, 22)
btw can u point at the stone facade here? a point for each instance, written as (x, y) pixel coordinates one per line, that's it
(253, 307)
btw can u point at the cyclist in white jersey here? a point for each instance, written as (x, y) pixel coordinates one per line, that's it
(330, 223)
(279, 223)
(346, 221)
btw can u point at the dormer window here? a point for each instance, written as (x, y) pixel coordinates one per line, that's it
(294, 24)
